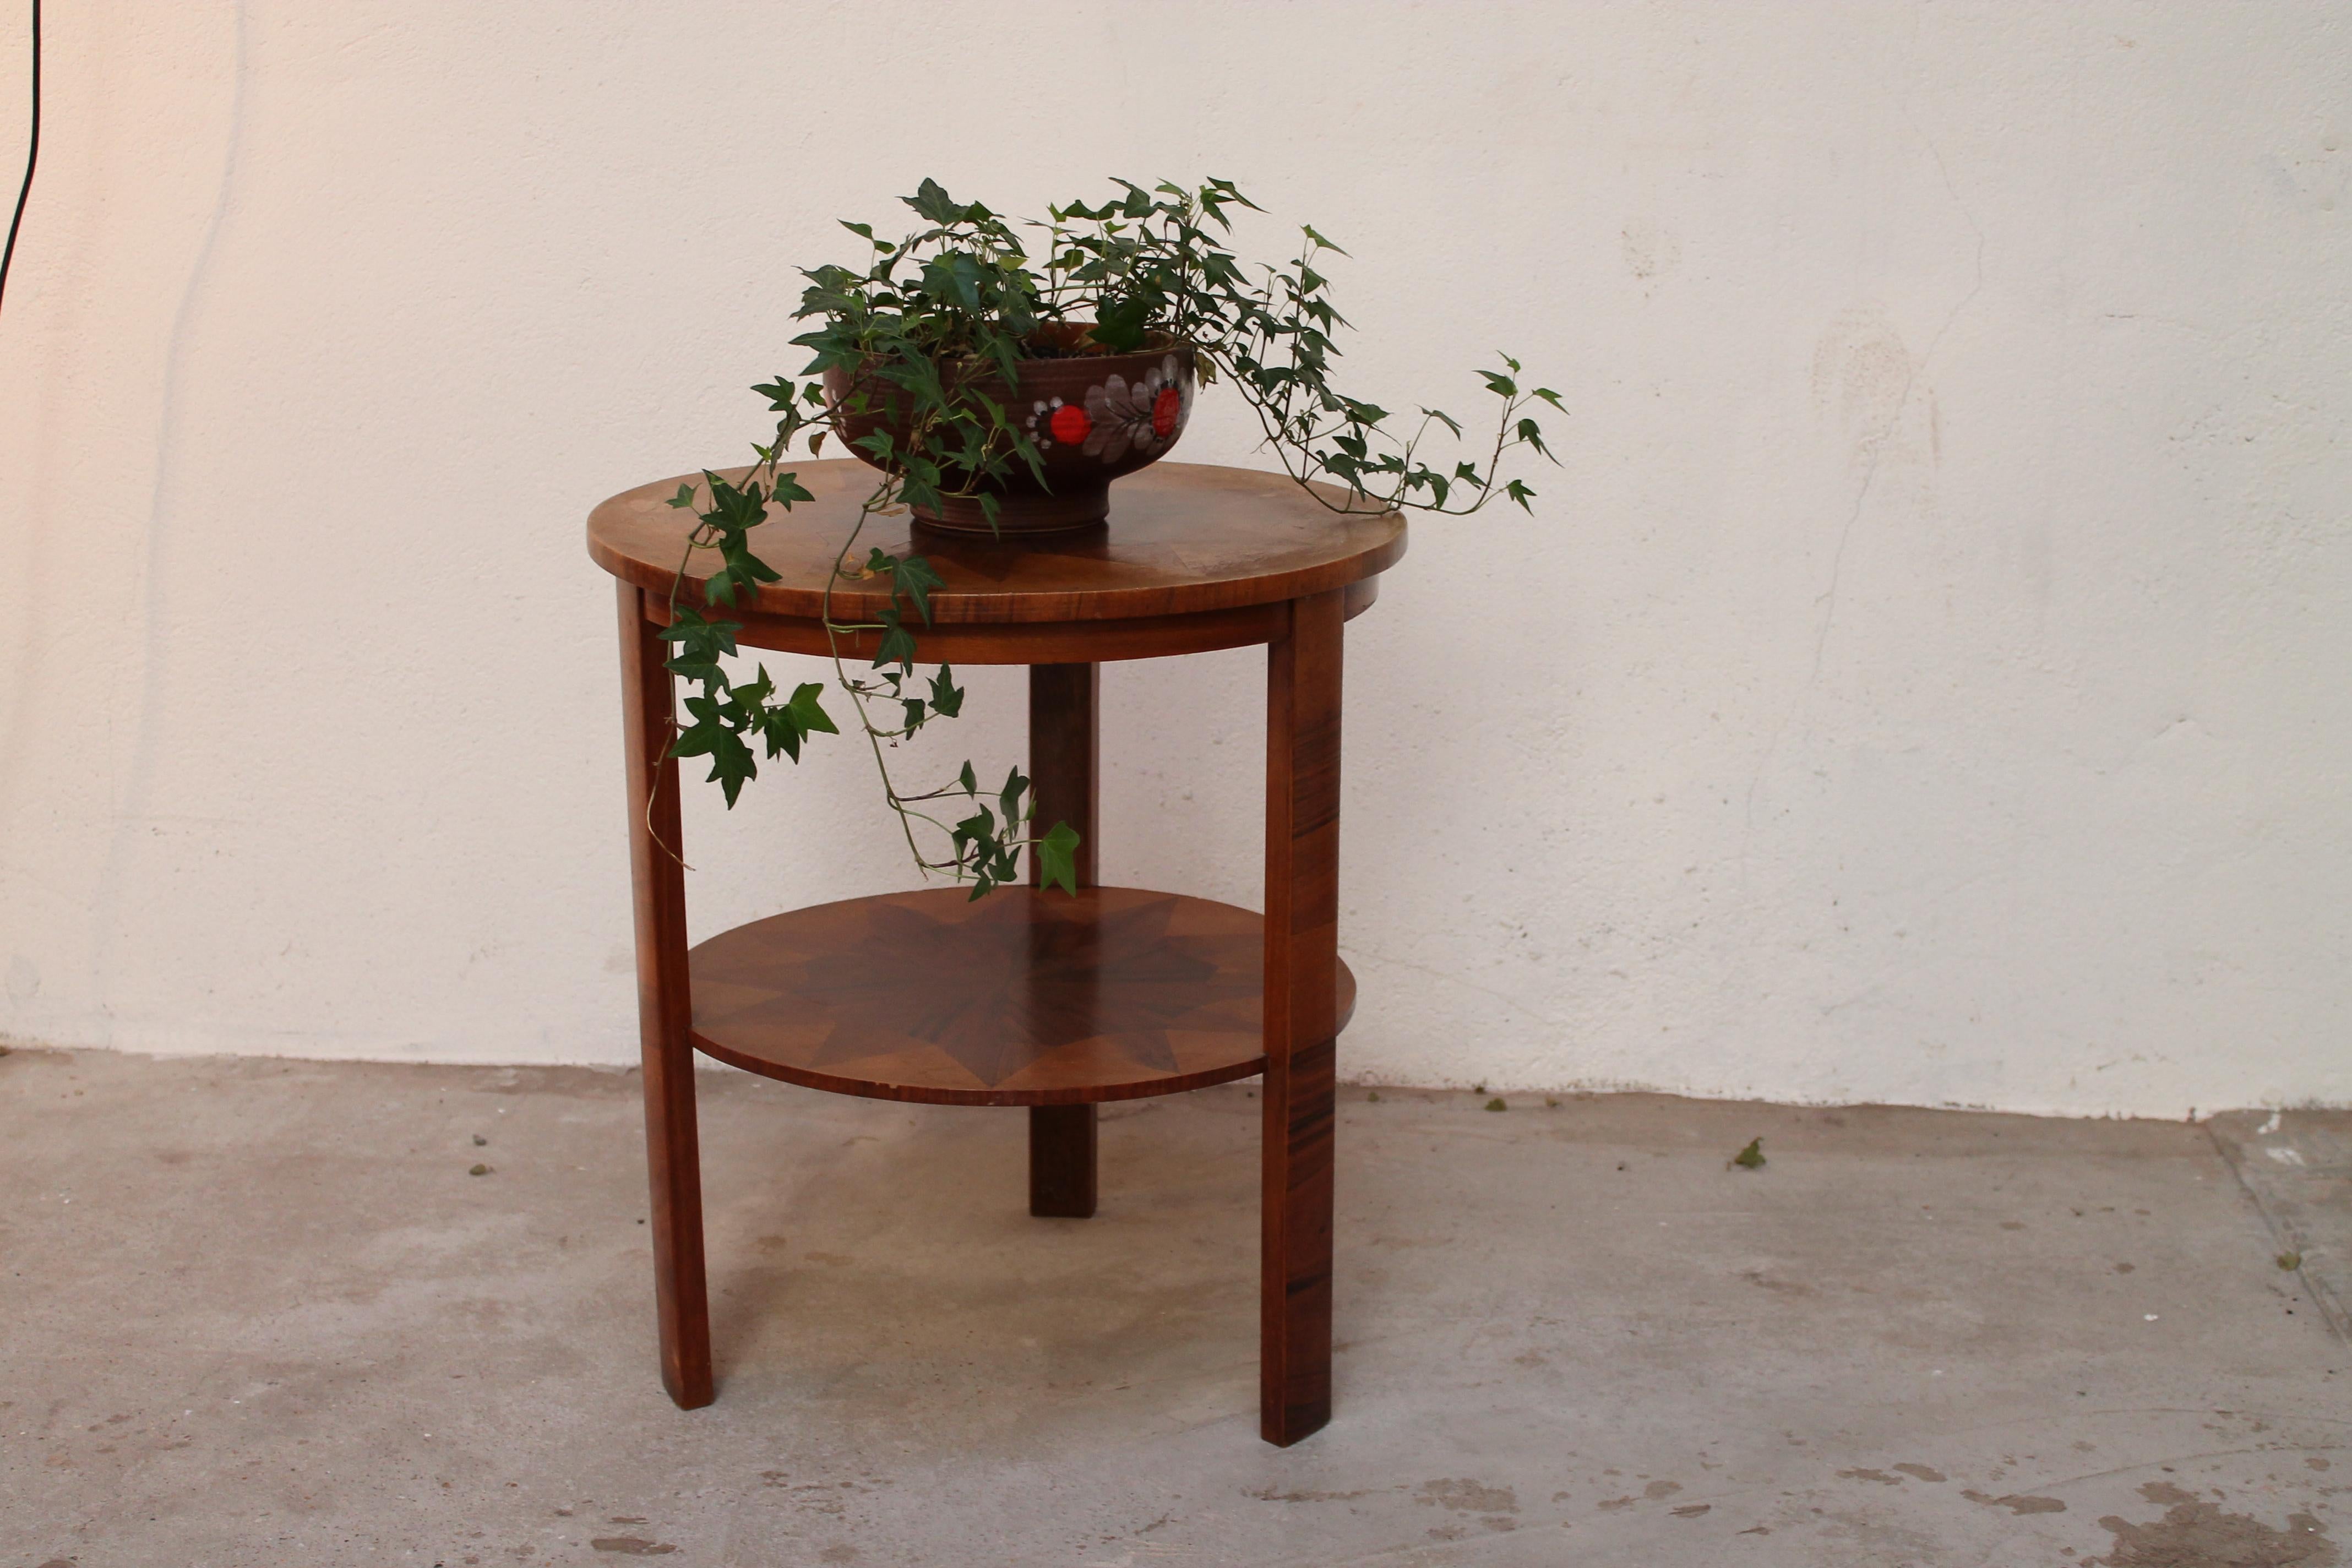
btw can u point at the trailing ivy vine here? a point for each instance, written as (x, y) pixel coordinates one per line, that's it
(933, 319)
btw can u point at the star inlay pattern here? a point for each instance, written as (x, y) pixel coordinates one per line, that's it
(1020, 997)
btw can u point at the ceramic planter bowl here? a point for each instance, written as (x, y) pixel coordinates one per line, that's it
(1094, 416)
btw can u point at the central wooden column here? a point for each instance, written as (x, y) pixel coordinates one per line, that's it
(1065, 763)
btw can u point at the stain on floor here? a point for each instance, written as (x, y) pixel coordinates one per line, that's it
(1469, 1497)
(2195, 1533)
(2016, 1503)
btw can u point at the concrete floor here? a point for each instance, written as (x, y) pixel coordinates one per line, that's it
(259, 1313)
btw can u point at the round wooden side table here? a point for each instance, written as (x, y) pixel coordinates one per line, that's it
(1042, 999)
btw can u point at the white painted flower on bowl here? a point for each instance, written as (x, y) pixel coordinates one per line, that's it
(1147, 413)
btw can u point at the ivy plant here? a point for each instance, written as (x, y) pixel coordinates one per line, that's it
(935, 316)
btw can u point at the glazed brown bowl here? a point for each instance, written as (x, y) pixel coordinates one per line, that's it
(1094, 416)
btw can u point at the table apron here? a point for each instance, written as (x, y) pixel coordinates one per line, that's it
(1045, 642)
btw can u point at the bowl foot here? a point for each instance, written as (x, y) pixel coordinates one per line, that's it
(1069, 508)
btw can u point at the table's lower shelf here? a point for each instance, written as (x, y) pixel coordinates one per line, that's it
(1019, 998)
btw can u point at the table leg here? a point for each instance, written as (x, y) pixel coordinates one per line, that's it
(664, 1008)
(1302, 954)
(1065, 763)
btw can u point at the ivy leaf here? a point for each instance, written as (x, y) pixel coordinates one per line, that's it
(1318, 238)
(752, 698)
(731, 764)
(914, 713)
(934, 203)
(781, 733)
(971, 785)
(1014, 785)
(897, 643)
(947, 697)
(806, 713)
(1118, 325)
(696, 739)
(697, 636)
(978, 828)
(1227, 191)
(915, 579)
(1057, 859)
(747, 567)
(685, 496)
(734, 508)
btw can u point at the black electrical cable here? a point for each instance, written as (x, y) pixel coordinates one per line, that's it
(32, 155)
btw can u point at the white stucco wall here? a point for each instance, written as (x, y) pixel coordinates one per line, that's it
(1926, 680)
